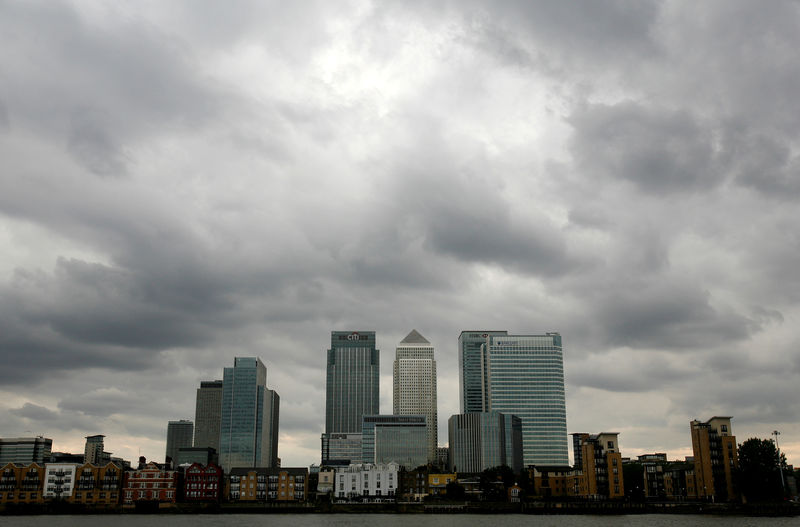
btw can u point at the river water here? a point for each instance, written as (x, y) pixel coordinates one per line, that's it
(393, 520)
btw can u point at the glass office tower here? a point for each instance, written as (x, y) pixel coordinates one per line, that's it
(400, 439)
(249, 424)
(25, 450)
(483, 440)
(352, 389)
(471, 368)
(521, 375)
(526, 378)
(179, 435)
(208, 414)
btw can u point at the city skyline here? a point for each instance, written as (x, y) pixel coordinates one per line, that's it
(184, 185)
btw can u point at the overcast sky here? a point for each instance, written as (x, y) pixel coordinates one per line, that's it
(186, 182)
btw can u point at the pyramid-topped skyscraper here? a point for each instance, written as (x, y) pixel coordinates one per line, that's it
(415, 384)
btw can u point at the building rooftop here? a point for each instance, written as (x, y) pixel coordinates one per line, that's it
(414, 338)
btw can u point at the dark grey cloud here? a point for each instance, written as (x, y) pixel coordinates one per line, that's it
(99, 88)
(667, 315)
(34, 412)
(3, 116)
(659, 151)
(184, 183)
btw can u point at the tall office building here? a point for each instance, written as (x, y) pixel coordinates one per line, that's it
(472, 377)
(179, 435)
(482, 440)
(521, 375)
(208, 415)
(715, 458)
(25, 450)
(94, 450)
(352, 388)
(249, 424)
(415, 385)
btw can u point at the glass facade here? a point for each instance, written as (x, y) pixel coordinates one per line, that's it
(25, 450)
(247, 435)
(526, 377)
(482, 440)
(179, 435)
(472, 381)
(400, 439)
(341, 449)
(207, 414)
(352, 389)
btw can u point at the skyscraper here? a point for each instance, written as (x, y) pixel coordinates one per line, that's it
(471, 370)
(208, 415)
(94, 450)
(249, 425)
(352, 388)
(179, 435)
(521, 375)
(415, 385)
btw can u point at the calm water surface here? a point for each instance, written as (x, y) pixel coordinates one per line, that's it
(392, 520)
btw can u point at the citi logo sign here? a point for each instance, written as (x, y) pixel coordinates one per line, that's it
(353, 336)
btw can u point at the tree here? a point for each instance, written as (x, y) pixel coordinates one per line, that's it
(758, 475)
(495, 481)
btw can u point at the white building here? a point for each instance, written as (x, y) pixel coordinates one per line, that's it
(59, 480)
(367, 482)
(415, 385)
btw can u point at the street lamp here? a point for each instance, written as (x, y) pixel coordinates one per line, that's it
(780, 468)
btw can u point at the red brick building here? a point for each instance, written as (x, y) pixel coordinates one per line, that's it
(203, 483)
(152, 483)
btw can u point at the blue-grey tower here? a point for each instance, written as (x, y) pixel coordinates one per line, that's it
(250, 411)
(472, 377)
(521, 375)
(352, 391)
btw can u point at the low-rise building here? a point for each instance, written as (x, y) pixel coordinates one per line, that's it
(98, 486)
(59, 480)
(653, 474)
(21, 483)
(326, 480)
(203, 483)
(413, 484)
(557, 481)
(283, 484)
(437, 483)
(152, 483)
(367, 482)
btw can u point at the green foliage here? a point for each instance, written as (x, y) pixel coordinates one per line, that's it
(758, 476)
(495, 481)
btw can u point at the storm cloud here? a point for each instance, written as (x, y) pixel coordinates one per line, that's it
(183, 183)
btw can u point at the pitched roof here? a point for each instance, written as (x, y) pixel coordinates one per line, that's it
(414, 338)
